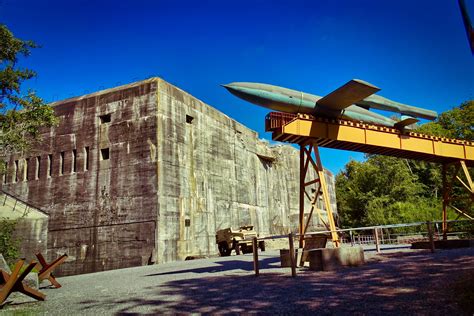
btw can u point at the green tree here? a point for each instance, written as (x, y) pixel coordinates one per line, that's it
(22, 114)
(386, 190)
(381, 190)
(8, 244)
(455, 123)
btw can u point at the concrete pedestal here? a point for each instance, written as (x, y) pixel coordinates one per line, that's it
(285, 258)
(331, 259)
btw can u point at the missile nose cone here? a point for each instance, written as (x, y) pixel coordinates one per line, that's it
(227, 85)
(230, 87)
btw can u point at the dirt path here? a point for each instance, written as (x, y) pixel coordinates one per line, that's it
(413, 282)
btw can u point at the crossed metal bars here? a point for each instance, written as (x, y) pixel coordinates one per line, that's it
(14, 282)
(46, 271)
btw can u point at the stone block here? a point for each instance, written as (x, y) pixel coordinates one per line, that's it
(311, 243)
(315, 259)
(3, 264)
(332, 259)
(285, 258)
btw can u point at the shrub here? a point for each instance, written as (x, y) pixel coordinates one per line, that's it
(9, 246)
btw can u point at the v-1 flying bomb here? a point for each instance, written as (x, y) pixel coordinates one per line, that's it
(351, 101)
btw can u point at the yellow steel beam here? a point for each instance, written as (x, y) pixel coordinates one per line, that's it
(375, 139)
(468, 177)
(461, 212)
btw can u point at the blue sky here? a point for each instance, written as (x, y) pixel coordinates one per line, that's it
(416, 51)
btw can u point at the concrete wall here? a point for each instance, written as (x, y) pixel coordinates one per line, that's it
(103, 213)
(31, 225)
(178, 170)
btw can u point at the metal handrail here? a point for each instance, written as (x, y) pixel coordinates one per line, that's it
(17, 198)
(361, 228)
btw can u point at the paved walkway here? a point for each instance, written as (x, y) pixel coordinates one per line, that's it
(410, 282)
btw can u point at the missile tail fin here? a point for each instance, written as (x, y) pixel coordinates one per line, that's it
(406, 120)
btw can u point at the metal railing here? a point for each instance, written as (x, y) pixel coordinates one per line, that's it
(18, 203)
(377, 237)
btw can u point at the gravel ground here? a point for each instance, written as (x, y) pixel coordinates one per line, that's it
(393, 283)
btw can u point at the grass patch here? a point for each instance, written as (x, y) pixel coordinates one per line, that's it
(25, 265)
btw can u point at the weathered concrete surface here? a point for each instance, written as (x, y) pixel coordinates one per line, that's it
(178, 170)
(31, 228)
(102, 213)
(216, 173)
(329, 259)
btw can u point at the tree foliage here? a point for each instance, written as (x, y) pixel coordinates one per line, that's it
(22, 114)
(388, 190)
(381, 190)
(8, 244)
(456, 123)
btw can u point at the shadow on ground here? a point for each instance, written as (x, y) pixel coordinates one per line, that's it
(228, 265)
(401, 283)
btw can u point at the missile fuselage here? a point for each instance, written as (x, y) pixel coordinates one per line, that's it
(293, 101)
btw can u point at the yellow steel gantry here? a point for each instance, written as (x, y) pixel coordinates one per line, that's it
(312, 132)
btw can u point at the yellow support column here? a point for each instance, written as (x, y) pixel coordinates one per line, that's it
(326, 198)
(307, 150)
(450, 175)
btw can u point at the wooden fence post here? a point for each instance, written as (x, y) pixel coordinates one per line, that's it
(430, 236)
(377, 242)
(255, 256)
(292, 255)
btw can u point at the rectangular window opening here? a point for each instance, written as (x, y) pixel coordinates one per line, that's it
(74, 160)
(104, 154)
(106, 118)
(38, 167)
(61, 163)
(15, 173)
(26, 162)
(5, 172)
(50, 165)
(187, 222)
(189, 119)
(86, 158)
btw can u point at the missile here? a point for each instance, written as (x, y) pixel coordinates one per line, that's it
(351, 101)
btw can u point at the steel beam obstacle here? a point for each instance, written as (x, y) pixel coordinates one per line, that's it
(311, 132)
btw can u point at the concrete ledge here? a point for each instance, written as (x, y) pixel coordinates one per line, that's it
(444, 244)
(329, 259)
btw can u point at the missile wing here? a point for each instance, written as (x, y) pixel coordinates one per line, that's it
(348, 94)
